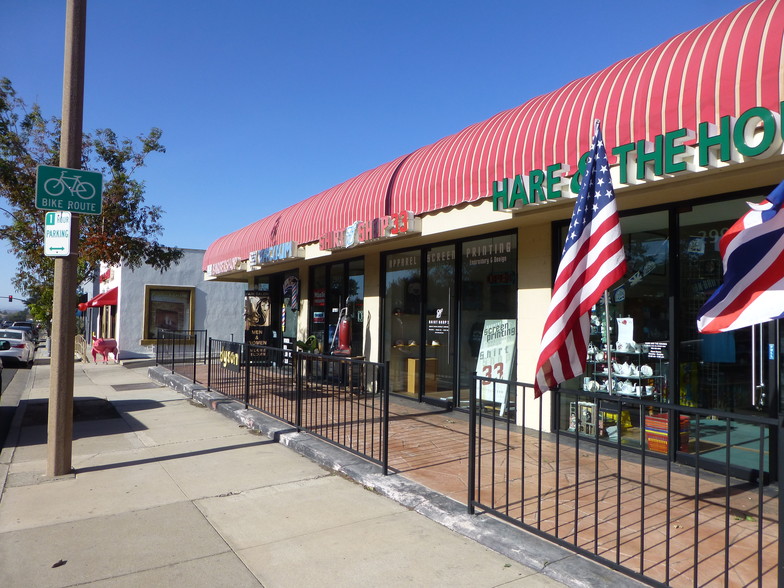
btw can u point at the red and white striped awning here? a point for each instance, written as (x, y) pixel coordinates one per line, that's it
(723, 68)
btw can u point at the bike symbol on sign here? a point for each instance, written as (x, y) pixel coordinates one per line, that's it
(56, 186)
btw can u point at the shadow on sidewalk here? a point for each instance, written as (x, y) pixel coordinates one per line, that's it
(92, 417)
(136, 462)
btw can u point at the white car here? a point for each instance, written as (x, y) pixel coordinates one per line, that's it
(22, 346)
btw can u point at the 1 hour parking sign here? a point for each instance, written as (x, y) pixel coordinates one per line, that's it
(57, 234)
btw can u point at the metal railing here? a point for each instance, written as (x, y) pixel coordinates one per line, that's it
(181, 350)
(629, 506)
(342, 400)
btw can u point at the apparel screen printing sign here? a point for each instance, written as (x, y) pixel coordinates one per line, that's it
(496, 354)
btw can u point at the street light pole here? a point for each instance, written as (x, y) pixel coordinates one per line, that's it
(60, 426)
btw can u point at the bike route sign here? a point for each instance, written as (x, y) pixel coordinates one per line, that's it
(71, 190)
(57, 234)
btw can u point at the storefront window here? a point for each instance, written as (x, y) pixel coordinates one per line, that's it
(715, 369)
(633, 362)
(488, 293)
(723, 371)
(167, 308)
(402, 324)
(337, 295)
(632, 352)
(271, 310)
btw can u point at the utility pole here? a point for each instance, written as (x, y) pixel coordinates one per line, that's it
(60, 427)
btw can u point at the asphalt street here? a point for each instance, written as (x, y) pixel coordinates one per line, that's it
(13, 384)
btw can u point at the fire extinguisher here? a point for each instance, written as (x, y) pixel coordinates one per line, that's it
(341, 340)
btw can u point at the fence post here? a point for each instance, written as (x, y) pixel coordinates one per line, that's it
(247, 375)
(471, 442)
(385, 417)
(194, 356)
(298, 366)
(209, 362)
(157, 349)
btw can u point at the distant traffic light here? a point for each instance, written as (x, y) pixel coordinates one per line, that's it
(10, 299)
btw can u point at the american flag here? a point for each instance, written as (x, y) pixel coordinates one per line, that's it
(752, 251)
(592, 260)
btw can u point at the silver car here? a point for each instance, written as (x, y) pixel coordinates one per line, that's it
(22, 347)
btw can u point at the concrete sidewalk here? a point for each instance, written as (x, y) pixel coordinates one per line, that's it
(165, 492)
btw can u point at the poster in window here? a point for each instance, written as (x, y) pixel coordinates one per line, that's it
(258, 320)
(495, 360)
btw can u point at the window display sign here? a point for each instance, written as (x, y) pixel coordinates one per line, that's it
(258, 320)
(496, 354)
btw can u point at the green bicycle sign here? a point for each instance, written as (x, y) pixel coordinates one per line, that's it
(72, 190)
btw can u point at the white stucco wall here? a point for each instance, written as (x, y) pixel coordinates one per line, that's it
(218, 305)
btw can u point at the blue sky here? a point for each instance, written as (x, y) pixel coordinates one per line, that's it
(263, 104)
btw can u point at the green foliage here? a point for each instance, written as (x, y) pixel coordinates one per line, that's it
(124, 233)
(309, 345)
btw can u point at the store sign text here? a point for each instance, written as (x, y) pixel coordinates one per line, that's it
(385, 227)
(230, 358)
(757, 133)
(276, 253)
(223, 267)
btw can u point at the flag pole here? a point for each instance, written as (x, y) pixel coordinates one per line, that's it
(610, 389)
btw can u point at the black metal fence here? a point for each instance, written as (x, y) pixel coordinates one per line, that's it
(342, 400)
(631, 507)
(181, 350)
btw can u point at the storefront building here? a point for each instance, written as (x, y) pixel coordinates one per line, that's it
(133, 305)
(427, 259)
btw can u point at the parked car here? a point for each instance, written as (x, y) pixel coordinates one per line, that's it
(22, 347)
(4, 346)
(27, 325)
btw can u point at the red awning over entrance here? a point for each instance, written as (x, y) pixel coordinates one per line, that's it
(108, 298)
(722, 68)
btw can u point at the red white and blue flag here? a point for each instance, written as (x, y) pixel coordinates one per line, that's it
(592, 260)
(752, 252)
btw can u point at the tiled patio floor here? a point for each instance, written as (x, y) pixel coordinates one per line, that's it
(615, 508)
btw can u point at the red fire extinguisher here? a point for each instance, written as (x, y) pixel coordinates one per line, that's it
(341, 340)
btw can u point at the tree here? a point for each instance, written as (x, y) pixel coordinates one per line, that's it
(124, 233)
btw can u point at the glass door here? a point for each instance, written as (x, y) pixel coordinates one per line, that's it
(402, 325)
(436, 370)
(726, 372)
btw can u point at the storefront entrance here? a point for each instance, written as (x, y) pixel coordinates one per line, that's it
(437, 301)
(271, 310)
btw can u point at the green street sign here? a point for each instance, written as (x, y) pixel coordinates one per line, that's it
(72, 190)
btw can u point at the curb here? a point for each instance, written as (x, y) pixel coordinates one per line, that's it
(517, 544)
(12, 440)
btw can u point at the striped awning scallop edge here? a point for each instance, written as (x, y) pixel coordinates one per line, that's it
(722, 68)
